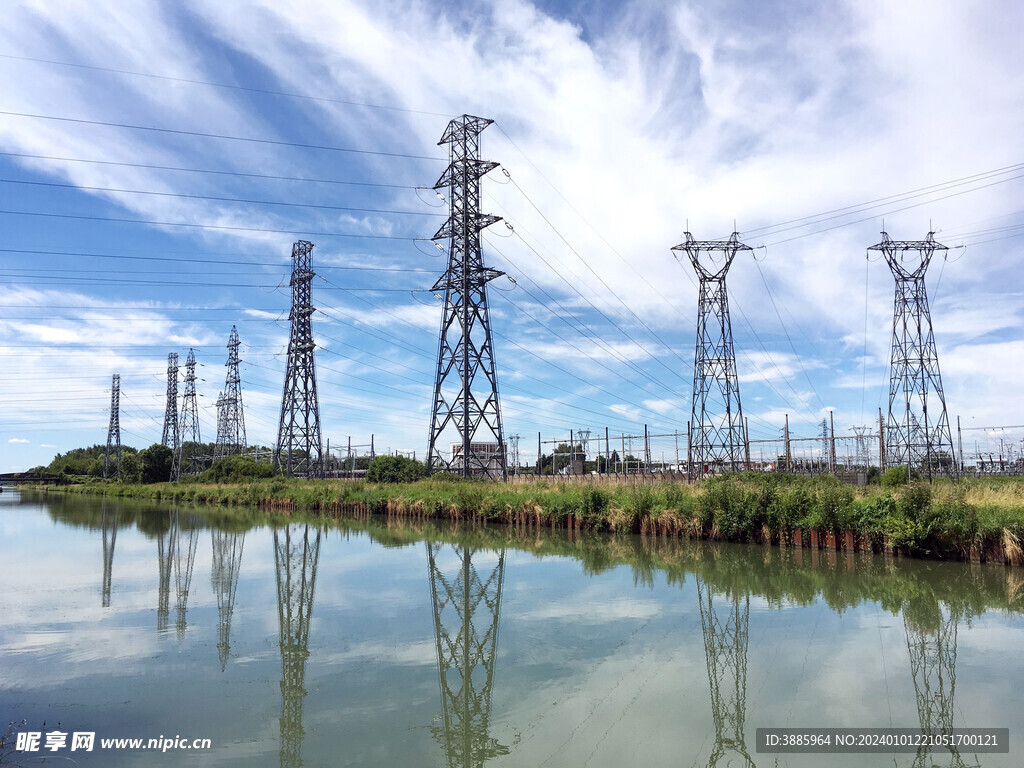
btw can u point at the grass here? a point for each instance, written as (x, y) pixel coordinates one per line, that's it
(943, 520)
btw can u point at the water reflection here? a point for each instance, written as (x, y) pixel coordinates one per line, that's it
(184, 561)
(227, 563)
(164, 553)
(931, 641)
(108, 524)
(467, 606)
(823, 610)
(724, 618)
(296, 559)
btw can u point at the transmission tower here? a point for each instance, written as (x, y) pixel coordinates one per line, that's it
(861, 441)
(298, 438)
(718, 432)
(108, 523)
(188, 422)
(170, 436)
(114, 430)
(467, 606)
(466, 412)
(514, 443)
(227, 562)
(931, 641)
(296, 557)
(916, 437)
(725, 646)
(231, 440)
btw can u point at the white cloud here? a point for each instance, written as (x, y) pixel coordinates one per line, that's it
(18, 440)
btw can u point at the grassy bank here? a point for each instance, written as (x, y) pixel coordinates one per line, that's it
(975, 519)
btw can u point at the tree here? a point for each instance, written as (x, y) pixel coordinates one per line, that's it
(131, 467)
(156, 463)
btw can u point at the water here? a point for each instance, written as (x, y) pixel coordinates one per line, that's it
(400, 644)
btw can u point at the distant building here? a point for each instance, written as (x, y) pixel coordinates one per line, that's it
(482, 455)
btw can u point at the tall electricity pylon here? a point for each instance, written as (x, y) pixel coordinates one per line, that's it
(298, 449)
(718, 432)
(467, 607)
(114, 430)
(917, 437)
(467, 416)
(170, 435)
(296, 557)
(232, 441)
(227, 563)
(188, 422)
(725, 646)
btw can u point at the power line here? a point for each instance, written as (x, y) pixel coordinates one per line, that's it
(203, 262)
(226, 85)
(269, 177)
(214, 198)
(200, 134)
(224, 227)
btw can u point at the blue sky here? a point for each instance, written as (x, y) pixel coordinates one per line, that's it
(618, 128)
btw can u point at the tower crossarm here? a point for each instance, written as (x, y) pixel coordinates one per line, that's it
(727, 248)
(896, 254)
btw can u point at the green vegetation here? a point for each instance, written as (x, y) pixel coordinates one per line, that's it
(395, 469)
(944, 520)
(777, 575)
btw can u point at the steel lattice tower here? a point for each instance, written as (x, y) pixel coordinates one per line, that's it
(298, 438)
(222, 427)
(170, 435)
(188, 421)
(931, 642)
(725, 646)
(296, 557)
(108, 524)
(467, 607)
(227, 562)
(916, 438)
(718, 432)
(465, 413)
(114, 430)
(232, 440)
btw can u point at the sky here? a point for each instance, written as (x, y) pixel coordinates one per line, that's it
(158, 160)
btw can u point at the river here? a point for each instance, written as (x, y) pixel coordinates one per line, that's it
(375, 642)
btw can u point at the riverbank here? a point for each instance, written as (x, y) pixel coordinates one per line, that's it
(976, 519)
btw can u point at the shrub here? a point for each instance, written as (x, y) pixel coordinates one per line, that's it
(236, 469)
(895, 476)
(395, 469)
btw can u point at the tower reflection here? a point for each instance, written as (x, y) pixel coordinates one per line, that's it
(296, 559)
(466, 599)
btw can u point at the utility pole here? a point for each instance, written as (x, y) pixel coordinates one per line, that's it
(919, 437)
(789, 455)
(114, 429)
(299, 448)
(716, 416)
(831, 443)
(465, 403)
